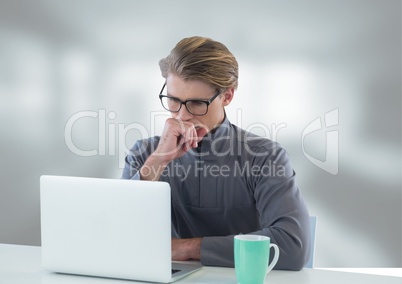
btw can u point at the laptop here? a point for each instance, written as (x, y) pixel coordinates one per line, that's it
(108, 228)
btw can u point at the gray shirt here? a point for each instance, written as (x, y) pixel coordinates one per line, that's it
(233, 183)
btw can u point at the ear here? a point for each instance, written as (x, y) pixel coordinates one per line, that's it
(228, 96)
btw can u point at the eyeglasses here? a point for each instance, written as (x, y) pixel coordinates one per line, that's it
(195, 107)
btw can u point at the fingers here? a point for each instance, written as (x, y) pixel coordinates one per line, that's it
(201, 132)
(179, 137)
(190, 137)
(196, 133)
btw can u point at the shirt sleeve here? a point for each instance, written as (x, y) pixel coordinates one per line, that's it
(283, 217)
(136, 158)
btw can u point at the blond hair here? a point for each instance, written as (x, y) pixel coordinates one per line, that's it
(200, 58)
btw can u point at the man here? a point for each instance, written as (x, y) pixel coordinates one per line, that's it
(224, 181)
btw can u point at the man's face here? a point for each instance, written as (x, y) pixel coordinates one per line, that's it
(178, 88)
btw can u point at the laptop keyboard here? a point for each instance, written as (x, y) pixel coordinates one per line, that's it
(175, 270)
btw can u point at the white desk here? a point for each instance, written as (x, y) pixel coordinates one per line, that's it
(22, 264)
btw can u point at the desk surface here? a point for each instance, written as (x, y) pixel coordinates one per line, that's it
(22, 264)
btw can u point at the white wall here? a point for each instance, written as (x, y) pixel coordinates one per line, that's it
(299, 60)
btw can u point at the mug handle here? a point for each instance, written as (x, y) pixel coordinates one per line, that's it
(276, 257)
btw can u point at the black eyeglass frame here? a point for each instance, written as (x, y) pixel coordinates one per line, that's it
(207, 102)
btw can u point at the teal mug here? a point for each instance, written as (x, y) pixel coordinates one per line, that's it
(251, 255)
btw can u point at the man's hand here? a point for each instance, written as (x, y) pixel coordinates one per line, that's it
(178, 138)
(185, 249)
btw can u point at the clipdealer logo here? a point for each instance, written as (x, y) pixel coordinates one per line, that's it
(112, 135)
(331, 162)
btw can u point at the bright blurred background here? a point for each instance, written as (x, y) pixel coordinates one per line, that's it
(79, 82)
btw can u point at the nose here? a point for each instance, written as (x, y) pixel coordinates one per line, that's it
(183, 114)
